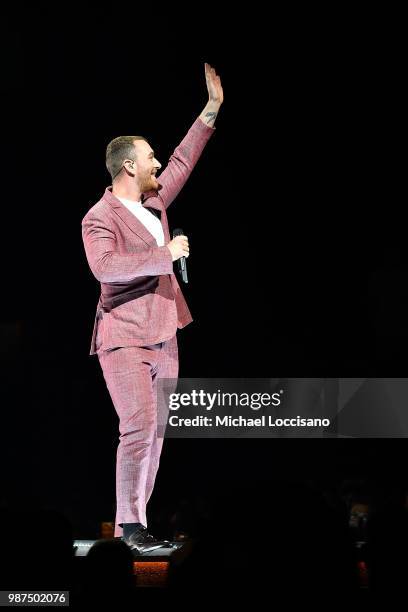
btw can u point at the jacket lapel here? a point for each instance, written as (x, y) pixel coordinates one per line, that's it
(165, 226)
(129, 219)
(151, 200)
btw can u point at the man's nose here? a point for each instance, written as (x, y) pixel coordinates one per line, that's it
(157, 164)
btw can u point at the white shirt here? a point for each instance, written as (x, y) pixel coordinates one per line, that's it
(149, 220)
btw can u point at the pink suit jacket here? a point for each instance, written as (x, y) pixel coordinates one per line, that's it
(141, 302)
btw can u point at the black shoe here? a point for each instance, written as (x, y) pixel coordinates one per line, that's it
(141, 541)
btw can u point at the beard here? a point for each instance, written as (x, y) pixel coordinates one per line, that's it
(149, 183)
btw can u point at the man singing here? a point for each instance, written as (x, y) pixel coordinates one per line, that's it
(128, 248)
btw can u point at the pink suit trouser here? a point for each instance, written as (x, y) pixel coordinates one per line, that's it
(131, 375)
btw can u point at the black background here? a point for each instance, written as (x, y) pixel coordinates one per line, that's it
(295, 215)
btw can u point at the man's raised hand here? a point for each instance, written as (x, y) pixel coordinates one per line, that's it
(215, 92)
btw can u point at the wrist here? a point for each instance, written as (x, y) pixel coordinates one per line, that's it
(213, 106)
(210, 112)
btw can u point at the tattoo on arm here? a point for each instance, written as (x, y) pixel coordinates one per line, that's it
(210, 118)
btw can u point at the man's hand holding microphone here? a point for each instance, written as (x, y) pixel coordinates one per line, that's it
(179, 247)
(179, 250)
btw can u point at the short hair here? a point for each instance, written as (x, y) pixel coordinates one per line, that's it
(118, 150)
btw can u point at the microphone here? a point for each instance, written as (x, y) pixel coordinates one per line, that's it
(182, 264)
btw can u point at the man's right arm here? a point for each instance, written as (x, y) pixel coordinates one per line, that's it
(108, 266)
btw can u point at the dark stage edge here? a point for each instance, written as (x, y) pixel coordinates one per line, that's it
(175, 555)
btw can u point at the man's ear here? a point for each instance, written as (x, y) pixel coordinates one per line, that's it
(130, 166)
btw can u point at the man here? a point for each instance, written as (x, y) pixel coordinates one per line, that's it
(128, 247)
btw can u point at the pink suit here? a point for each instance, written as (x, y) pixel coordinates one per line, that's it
(138, 313)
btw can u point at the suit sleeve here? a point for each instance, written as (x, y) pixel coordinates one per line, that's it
(109, 266)
(182, 162)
